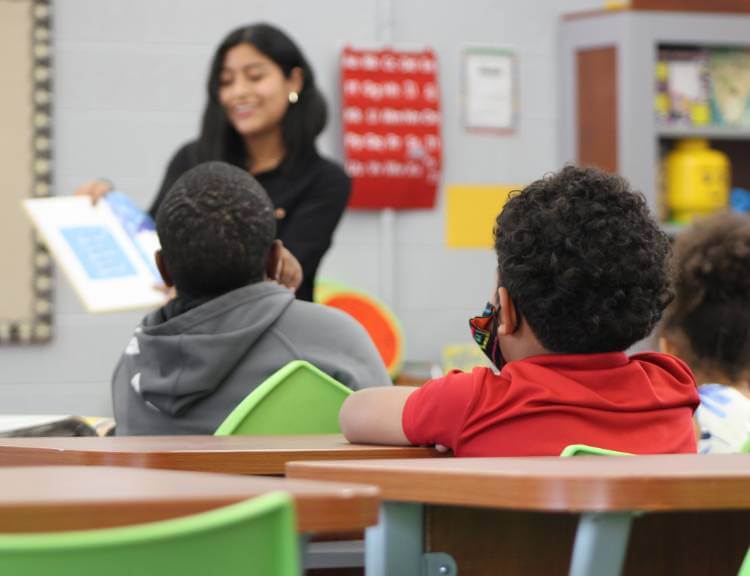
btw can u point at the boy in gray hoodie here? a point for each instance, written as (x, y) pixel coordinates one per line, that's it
(192, 361)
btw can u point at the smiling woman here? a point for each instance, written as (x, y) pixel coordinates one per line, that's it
(263, 114)
(256, 95)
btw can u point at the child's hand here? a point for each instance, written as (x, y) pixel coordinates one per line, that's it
(170, 292)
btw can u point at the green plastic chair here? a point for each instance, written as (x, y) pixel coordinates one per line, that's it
(298, 399)
(584, 450)
(256, 536)
(745, 568)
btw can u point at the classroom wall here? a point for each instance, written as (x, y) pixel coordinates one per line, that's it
(129, 89)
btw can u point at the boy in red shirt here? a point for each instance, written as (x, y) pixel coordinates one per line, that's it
(583, 275)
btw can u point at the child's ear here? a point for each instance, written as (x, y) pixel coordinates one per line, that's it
(508, 319)
(273, 261)
(162, 267)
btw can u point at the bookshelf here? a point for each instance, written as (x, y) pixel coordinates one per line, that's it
(608, 88)
(709, 132)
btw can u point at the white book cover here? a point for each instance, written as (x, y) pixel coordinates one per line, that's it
(106, 251)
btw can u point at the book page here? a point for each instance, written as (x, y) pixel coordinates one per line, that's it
(110, 268)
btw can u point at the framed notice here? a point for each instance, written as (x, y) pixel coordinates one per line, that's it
(490, 90)
(25, 168)
(391, 120)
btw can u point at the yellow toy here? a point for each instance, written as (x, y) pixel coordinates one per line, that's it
(696, 179)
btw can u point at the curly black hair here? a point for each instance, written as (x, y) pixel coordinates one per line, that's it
(712, 303)
(216, 226)
(584, 261)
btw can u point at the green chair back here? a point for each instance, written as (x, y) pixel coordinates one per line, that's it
(745, 568)
(298, 399)
(584, 450)
(256, 536)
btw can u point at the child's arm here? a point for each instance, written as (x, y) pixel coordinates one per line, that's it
(374, 415)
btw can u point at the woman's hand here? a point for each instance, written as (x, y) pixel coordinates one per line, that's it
(288, 270)
(95, 189)
(170, 292)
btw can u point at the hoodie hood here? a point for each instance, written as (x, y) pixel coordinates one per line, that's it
(174, 363)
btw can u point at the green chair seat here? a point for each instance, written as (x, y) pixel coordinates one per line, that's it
(256, 536)
(298, 399)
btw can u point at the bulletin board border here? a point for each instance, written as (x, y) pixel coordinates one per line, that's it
(37, 326)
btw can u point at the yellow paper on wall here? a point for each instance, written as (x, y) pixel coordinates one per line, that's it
(470, 214)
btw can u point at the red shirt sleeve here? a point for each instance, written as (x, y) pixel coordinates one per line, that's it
(435, 413)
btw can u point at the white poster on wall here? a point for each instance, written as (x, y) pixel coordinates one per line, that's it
(490, 100)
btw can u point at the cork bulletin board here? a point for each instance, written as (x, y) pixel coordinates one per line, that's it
(25, 168)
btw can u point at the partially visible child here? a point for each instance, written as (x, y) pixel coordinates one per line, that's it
(708, 325)
(192, 361)
(582, 270)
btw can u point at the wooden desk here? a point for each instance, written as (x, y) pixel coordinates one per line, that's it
(55, 498)
(227, 454)
(519, 515)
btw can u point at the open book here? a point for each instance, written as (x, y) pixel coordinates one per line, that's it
(24, 426)
(106, 251)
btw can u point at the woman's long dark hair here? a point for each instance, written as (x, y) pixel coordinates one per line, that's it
(302, 122)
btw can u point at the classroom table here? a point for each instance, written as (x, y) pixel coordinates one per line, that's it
(59, 498)
(689, 514)
(56, 498)
(228, 454)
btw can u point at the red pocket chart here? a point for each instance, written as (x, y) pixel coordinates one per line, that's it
(391, 122)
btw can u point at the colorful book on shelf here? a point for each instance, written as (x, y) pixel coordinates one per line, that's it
(106, 251)
(730, 86)
(682, 86)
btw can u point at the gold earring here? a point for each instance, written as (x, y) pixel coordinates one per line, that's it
(293, 97)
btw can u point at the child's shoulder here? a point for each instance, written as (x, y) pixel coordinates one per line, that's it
(669, 376)
(323, 317)
(724, 395)
(667, 362)
(724, 419)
